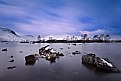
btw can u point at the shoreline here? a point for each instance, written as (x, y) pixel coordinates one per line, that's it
(65, 41)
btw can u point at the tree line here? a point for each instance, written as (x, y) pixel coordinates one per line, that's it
(84, 37)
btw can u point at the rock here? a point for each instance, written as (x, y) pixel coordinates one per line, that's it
(30, 59)
(76, 52)
(42, 50)
(68, 47)
(89, 58)
(4, 49)
(11, 60)
(74, 44)
(61, 54)
(61, 48)
(20, 51)
(100, 63)
(49, 53)
(12, 67)
(51, 58)
(11, 56)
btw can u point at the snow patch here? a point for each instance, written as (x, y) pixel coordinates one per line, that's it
(109, 64)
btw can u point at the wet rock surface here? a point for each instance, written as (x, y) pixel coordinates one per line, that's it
(99, 63)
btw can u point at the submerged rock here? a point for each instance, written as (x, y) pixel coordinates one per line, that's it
(12, 67)
(11, 60)
(4, 49)
(11, 56)
(20, 51)
(68, 47)
(99, 63)
(76, 52)
(61, 48)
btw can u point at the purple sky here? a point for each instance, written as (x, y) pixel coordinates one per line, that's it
(47, 17)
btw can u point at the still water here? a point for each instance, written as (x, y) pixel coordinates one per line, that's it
(66, 68)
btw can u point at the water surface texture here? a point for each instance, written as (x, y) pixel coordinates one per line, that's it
(66, 68)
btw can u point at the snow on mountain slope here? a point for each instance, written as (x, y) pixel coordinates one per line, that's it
(9, 35)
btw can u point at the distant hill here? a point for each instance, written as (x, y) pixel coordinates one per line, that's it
(10, 35)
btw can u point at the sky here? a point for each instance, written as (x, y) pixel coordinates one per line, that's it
(55, 17)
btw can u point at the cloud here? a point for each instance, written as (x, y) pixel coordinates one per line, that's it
(46, 27)
(95, 32)
(61, 16)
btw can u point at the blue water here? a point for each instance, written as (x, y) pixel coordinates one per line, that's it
(66, 68)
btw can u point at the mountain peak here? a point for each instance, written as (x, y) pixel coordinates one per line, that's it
(8, 30)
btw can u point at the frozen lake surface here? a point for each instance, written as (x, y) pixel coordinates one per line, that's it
(66, 68)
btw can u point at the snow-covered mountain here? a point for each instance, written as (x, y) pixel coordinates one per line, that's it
(9, 35)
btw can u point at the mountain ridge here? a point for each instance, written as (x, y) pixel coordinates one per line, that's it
(7, 34)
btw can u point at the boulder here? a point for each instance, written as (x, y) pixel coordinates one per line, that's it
(89, 58)
(99, 63)
(30, 59)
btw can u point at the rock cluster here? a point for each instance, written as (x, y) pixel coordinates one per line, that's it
(99, 63)
(49, 53)
(45, 52)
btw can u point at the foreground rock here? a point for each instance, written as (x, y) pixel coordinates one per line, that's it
(49, 53)
(45, 52)
(31, 59)
(100, 63)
